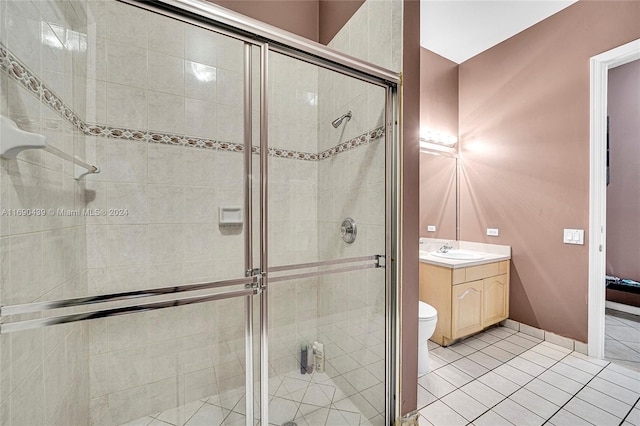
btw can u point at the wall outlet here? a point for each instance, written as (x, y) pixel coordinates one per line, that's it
(493, 232)
(573, 236)
(431, 228)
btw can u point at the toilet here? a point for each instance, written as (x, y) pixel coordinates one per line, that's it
(427, 319)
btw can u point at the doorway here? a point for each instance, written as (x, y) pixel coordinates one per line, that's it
(600, 66)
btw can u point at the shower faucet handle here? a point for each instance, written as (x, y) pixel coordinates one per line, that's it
(348, 230)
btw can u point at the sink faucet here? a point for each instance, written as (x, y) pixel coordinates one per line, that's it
(446, 247)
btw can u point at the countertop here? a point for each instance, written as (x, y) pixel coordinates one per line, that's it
(426, 257)
(490, 252)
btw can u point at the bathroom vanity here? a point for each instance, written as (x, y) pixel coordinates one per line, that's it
(469, 294)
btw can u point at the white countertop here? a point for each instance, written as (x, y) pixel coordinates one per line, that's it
(490, 253)
(427, 257)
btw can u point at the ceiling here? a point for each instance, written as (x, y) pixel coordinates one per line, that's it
(460, 29)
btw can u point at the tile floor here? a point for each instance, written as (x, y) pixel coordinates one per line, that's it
(622, 339)
(350, 391)
(504, 377)
(311, 401)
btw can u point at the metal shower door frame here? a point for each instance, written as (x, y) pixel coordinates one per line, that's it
(256, 280)
(271, 39)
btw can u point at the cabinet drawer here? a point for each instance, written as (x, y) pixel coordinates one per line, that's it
(479, 272)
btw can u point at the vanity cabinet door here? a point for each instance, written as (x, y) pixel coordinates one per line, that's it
(496, 299)
(467, 309)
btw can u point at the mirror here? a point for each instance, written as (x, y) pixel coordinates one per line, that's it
(438, 195)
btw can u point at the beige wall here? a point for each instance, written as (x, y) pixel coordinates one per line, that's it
(438, 93)
(333, 15)
(317, 20)
(623, 192)
(299, 16)
(438, 112)
(524, 130)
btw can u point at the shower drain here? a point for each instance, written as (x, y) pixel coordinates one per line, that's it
(291, 423)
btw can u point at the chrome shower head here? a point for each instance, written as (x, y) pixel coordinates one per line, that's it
(338, 121)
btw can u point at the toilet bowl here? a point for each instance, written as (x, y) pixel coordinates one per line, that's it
(427, 319)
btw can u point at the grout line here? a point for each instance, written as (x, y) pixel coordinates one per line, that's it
(523, 386)
(630, 411)
(576, 394)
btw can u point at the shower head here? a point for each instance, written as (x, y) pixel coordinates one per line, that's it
(338, 121)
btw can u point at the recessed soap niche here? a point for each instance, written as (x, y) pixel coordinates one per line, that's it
(230, 215)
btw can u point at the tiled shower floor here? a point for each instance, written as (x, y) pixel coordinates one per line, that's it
(309, 400)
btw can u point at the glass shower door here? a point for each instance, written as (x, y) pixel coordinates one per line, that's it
(326, 246)
(131, 298)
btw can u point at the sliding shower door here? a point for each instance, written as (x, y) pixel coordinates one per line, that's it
(326, 233)
(129, 295)
(226, 262)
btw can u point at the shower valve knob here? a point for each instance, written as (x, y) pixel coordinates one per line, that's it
(348, 230)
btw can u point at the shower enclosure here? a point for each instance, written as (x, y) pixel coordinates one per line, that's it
(186, 282)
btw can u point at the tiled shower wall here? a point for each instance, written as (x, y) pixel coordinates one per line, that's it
(146, 73)
(351, 306)
(43, 373)
(152, 74)
(188, 81)
(293, 200)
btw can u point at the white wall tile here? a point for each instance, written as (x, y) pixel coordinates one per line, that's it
(127, 245)
(127, 203)
(23, 33)
(96, 55)
(200, 81)
(532, 331)
(200, 118)
(229, 87)
(30, 393)
(126, 161)
(165, 164)
(167, 243)
(166, 73)
(166, 35)
(166, 112)
(126, 24)
(126, 106)
(230, 123)
(200, 46)
(126, 64)
(558, 340)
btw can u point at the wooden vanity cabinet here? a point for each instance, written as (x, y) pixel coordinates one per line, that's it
(467, 299)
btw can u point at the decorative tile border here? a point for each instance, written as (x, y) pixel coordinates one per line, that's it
(16, 70)
(361, 140)
(19, 72)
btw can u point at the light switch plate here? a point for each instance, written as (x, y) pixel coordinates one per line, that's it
(493, 232)
(431, 228)
(573, 236)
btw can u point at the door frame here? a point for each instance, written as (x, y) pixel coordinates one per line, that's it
(600, 66)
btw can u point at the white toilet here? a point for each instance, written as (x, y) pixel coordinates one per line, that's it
(427, 317)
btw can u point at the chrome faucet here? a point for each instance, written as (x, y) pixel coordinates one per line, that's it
(445, 248)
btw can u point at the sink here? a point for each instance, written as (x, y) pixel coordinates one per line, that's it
(458, 255)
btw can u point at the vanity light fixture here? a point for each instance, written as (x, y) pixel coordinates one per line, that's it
(432, 137)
